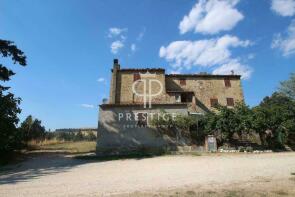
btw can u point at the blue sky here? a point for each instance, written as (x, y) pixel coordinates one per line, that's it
(70, 46)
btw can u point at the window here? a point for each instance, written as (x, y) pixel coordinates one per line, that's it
(227, 82)
(177, 98)
(214, 102)
(136, 76)
(230, 101)
(142, 119)
(186, 97)
(182, 82)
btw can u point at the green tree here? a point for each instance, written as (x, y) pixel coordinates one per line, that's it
(32, 129)
(90, 137)
(26, 127)
(275, 114)
(10, 138)
(79, 136)
(175, 127)
(288, 87)
(222, 122)
(38, 131)
(227, 121)
(260, 122)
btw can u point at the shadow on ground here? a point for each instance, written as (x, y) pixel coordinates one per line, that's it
(41, 164)
(37, 165)
(95, 158)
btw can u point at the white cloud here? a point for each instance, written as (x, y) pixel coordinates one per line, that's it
(87, 105)
(101, 79)
(201, 52)
(116, 46)
(115, 31)
(133, 47)
(283, 7)
(141, 34)
(286, 43)
(120, 38)
(211, 17)
(236, 67)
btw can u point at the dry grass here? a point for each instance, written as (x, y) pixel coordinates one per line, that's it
(35, 143)
(70, 147)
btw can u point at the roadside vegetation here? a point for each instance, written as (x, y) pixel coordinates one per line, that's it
(10, 136)
(270, 125)
(30, 133)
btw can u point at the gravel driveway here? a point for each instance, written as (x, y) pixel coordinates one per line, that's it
(59, 175)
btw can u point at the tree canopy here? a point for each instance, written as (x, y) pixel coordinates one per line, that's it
(10, 138)
(8, 49)
(276, 114)
(32, 129)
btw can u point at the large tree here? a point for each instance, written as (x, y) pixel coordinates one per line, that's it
(9, 105)
(228, 121)
(275, 114)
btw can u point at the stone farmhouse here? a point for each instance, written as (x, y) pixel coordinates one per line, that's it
(137, 95)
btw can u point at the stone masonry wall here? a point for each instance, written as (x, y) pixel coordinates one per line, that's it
(125, 81)
(116, 134)
(204, 89)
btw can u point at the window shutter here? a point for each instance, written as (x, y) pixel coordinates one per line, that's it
(182, 82)
(136, 76)
(214, 102)
(230, 101)
(227, 82)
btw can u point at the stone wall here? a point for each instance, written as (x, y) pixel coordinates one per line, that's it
(204, 89)
(115, 138)
(126, 95)
(203, 86)
(208, 87)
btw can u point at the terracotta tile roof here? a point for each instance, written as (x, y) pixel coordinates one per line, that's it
(177, 75)
(141, 69)
(203, 75)
(140, 104)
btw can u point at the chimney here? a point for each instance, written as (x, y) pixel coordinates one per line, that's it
(113, 91)
(116, 64)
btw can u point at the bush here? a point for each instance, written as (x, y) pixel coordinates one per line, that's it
(177, 127)
(249, 149)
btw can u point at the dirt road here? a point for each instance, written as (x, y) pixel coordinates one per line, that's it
(59, 175)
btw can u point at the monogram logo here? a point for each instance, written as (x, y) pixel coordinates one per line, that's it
(148, 82)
